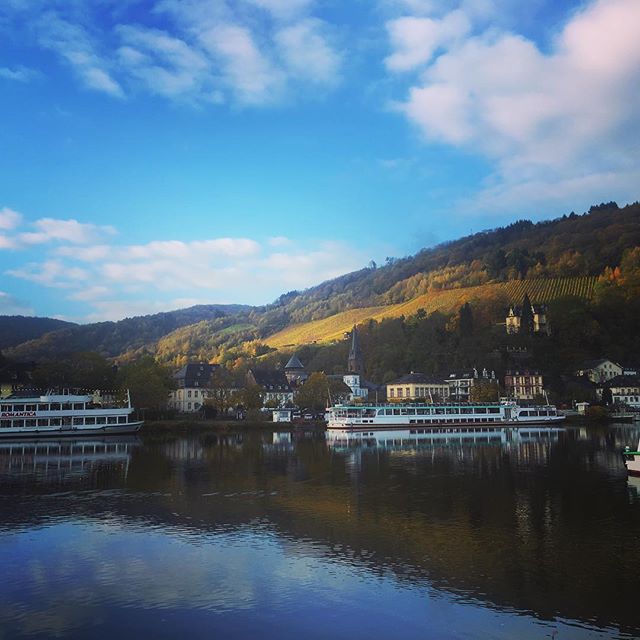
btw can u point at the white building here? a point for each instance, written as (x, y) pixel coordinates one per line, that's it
(625, 390)
(601, 370)
(192, 387)
(353, 381)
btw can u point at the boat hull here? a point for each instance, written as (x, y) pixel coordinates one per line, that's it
(355, 426)
(66, 431)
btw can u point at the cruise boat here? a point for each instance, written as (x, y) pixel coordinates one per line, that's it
(65, 414)
(632, 460)
(403, 416)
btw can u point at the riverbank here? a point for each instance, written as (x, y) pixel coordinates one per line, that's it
(185, 425)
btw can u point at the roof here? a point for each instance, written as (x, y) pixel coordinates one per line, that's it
(623, 381)
(294, 363)
(418, 378)
(196, 374)
(271, 380)
(523, 372)
(592, 364)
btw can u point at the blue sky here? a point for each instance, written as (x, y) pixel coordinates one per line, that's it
(160, 153)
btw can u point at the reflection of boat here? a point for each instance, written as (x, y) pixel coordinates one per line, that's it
(440, 436)
(55, 415)
(68, 457)
(632, 460)
(402, 416)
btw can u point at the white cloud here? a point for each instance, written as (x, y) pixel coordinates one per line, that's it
(250, 52)
(415, 40)
(246, 70)
(552, 119)
(73, 43)
(279, 241)
(307, 52)
(50, 229)
(18, 74)
(11, 306)
(165, 65)
(283, 8)
(169, 274)
(9, 219)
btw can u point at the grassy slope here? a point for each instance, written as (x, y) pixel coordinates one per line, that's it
(334, 327)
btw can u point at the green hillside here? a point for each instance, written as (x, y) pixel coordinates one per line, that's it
(449, 301)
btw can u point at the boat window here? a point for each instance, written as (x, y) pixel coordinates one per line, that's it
(380, 412)
(43, 422)
(18, 407)
(101, 420)
(78, 406)
(55, 406)
(388, 412)
(111, 420)
(122, 419)
(481, 410)
(396, 412)
(494, 410)
(451, 411)
(30, 423)
(77, 421)
(66, 421)
(43, 407)
(66, 406)
(54, 422)
(439, 411)
(5, 407)
(466, 410)
(4, 424)
(90, 421)
(18, 423)
(29, 407)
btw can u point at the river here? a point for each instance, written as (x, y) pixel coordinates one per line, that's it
(257, 533)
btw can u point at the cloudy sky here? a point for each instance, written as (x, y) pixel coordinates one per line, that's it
(160, 153)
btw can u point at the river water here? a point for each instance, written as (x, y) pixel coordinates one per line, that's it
(288, 535)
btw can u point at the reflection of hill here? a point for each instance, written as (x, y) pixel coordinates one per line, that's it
(510, 526)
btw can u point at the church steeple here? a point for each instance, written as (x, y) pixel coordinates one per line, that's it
(355, 364)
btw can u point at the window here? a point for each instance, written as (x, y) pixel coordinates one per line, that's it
(399, 393)
(77, 421)
(78, 406)
(392, 392)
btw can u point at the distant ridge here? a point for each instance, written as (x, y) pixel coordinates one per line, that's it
(17, 329)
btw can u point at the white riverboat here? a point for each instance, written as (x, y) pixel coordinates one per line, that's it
(65, 414)
(402, 416)
(632, 460)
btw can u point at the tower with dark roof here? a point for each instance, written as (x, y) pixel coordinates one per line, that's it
(355, 363)
(294, 371)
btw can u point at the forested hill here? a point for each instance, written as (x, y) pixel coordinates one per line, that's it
(573, 245)
(17, 329)
(570, 246)
(114, 338)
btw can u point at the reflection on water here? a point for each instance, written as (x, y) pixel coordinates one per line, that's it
(519, 533)
(62, 460)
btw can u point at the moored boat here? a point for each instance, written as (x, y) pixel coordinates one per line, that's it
(632, 460)
(64, 414)
(402, 416)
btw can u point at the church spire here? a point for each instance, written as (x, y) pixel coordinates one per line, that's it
(355, 364)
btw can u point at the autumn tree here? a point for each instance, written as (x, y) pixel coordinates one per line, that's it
(314, 393)
(148, 382)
